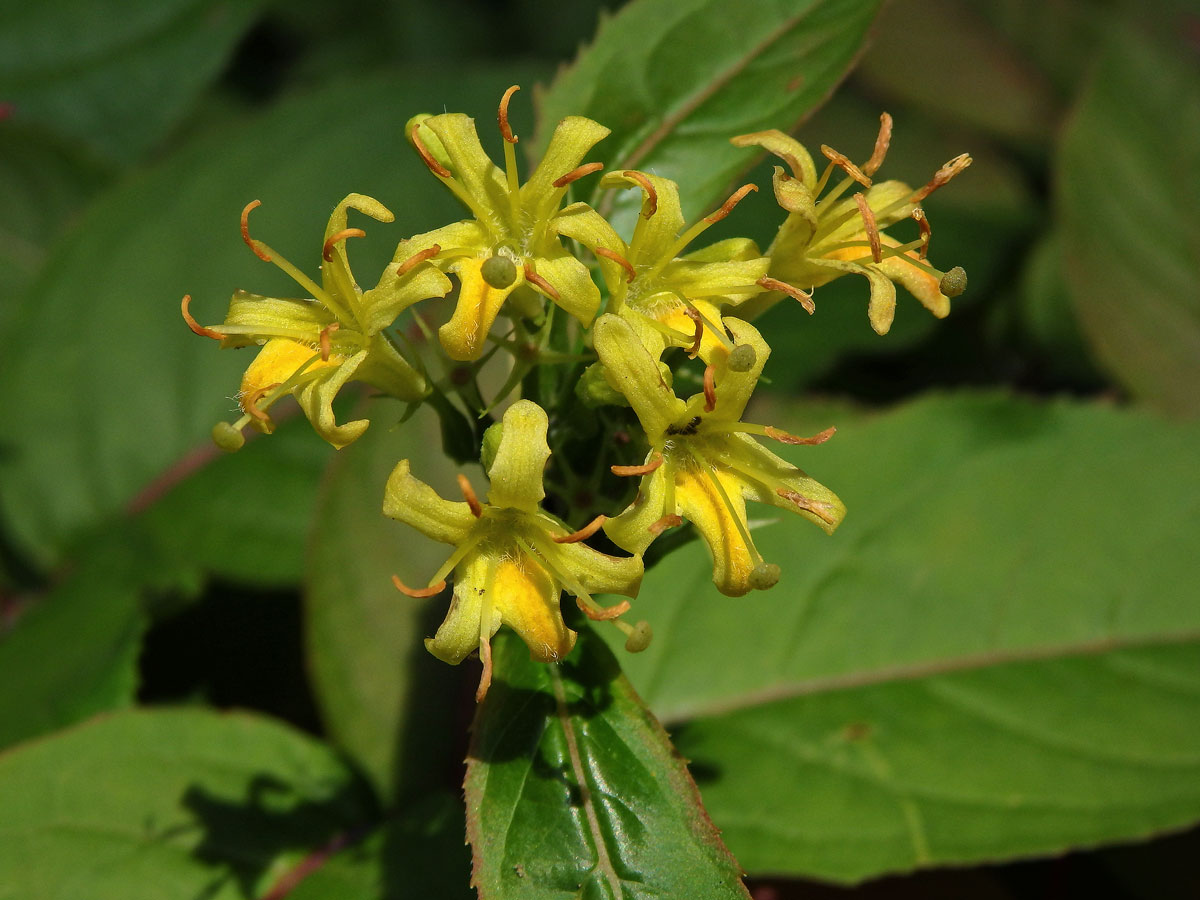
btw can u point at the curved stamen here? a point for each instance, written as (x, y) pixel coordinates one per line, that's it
(485, 677)
(434, 166)
(417, 258)
(843, 162)
(669, 521)
(784, 437)
(650, 204)
(941, 176)
(644, 469)
(254, 245)
(630, 272)
(774, 284)
(468, 493)
(538, 281)
(327, 250)
(577, 173)
(882, 142)
(583, 533)
(250, 402)
(196, 327)
(868, 217)
(598, 613)
(820, 510)
(710, 388)
(727, 207)
(326, 343)
(926, 229)
(418, 593)
(694, 314)
(502, 115)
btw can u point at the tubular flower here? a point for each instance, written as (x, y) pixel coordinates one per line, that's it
(512, 560)
(703, 465)
(668, 299)
(510, 251)
(825, 237)
(312, 347)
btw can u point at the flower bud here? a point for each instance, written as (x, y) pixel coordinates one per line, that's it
(491, 443)
(953, 282)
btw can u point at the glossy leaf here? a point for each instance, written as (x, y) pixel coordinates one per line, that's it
(676, 80)
(115, 80)
(383, 697)
(981, 531)
(1128, 185)
(170, 803)
(573, 789)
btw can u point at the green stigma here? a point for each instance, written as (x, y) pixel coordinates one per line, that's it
(499, 271)
(742, 358)
(227, 437)
(953, 282)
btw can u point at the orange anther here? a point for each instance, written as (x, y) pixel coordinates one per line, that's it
(644, 469)
(583, 533)
(196, 327)
(882, 141)
(327, 250)
(604, 613)
(502, 115)
(418, 593)
(468, 493)
(710, 388)
(774, 284)
(694, 315)
(784, 437)
(577, 173)
(250, 242)
(868, 217)
(941, 176)
(650, 205)
(538, 281)
(630, 272)
(485, 677)
(820, 510)
(843, 163)
(417, 258)
(728, 205)
(250, 402)
(926, 229)
(434, 166)
(326, 344)
(661, 525)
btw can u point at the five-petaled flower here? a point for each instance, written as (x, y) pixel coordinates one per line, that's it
(824, 237)
(312, 347)
(510, 252)
(702, 463)
(512, 559)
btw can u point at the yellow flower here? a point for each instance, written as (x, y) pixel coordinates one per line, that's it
(703, 465)
(512, 560)
(825, 237)
(510, 251)
(312, 347)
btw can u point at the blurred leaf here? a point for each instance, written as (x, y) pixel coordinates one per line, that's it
(982, 530)
(74, 652)
(1128, 191)
(573, 789)
(168, 804)
(383, 697)
(943, 57)
(107, 390)
(116, 77)
(676, 80)
(1057, 36)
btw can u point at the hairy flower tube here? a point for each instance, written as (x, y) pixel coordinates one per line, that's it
(827, 235)
(510, 252)
(512, 560)
(312, 347)
(703, 465)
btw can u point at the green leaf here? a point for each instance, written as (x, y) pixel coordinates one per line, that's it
(179, 803)
(383, 697)
(574, 790)
(982, 531)
(108, 390)
(1128, 176)
(116, 82)
(676, 80)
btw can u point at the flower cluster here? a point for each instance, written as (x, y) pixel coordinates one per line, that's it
(601, 328)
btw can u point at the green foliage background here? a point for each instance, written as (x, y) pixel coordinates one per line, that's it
(997, 657)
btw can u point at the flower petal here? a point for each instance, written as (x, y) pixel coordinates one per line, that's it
(598, 572)
(465, 335)
(734, 388)
(579, 222)
(484, 183)
(516, 472)
(528, 600)
(717, 522)
(316, 399)
(336, 277)
(764, 473)
(881, 308)
(385, 369)
(571, 279)
(653, 237)
(573, 137)
(253, 318)
(786, 148)
(459, 634)
(278, 361)
(411, 501)
(631, 370)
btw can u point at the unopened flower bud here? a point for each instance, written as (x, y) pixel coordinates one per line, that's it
(227, 437)
(491, 443)
(954, 282)
(640, 638)
(742, 358)
(499, 271)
